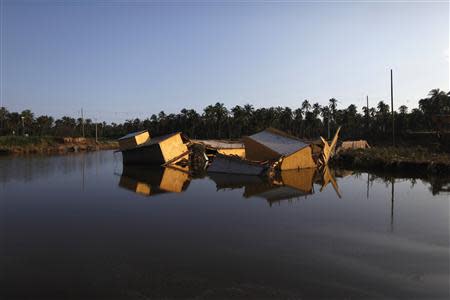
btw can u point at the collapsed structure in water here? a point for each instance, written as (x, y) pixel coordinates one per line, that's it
(265, 152)
(161, 150)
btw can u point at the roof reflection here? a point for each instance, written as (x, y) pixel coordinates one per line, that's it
(286, 185)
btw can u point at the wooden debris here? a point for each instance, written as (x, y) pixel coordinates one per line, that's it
(272, 144)
(328, 150)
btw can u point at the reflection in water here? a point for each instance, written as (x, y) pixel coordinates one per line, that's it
(287, 185)
(392, 204)
(151, 181)
(62, 239)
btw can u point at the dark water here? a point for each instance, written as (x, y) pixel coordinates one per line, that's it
(73, 228)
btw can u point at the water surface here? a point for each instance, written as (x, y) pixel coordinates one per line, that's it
(80, 227)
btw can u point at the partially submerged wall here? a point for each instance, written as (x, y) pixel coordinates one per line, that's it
(172, 147)
(302, 159)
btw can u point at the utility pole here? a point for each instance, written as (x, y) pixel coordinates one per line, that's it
(368, 113)
(23, 126)
(96, 135)
(392, 109)
(82, 122)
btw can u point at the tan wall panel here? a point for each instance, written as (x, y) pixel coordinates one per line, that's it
(172, 147)
(301, 159)
(142, 138)
(133, 141)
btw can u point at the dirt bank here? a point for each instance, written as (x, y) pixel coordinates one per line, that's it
(49, 145)
(418, 160)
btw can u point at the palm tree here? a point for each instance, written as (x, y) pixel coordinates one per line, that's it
(306, 106)
(382, 116)
(27, 121)
(333, 106)
(238, 115)
(286, 119)
(13, 122)
(3, 115)
(402, 118)
(298, 118)
(316, 109)
(403, 109)
(44, 124)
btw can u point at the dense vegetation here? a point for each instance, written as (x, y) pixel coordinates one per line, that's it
(216, 121)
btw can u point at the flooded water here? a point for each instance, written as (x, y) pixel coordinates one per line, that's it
(80, 227)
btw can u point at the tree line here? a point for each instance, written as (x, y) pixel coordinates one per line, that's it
(309, 120)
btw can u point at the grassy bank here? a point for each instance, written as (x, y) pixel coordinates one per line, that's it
(419, 160)
(26, 145)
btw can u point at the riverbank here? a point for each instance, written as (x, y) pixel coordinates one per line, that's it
(419, 160)
(50, 145)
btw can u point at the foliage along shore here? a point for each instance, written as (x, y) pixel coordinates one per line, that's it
(307, 119)
(399, 160)
(51, 145)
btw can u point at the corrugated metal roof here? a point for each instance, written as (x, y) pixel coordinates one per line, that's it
(282, 144)
(220, 144)
(132, 134)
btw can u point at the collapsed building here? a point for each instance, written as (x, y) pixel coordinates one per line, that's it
(272, 144)
(266, 151)
(165, 149)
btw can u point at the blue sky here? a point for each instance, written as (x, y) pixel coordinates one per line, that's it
(125, 59)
